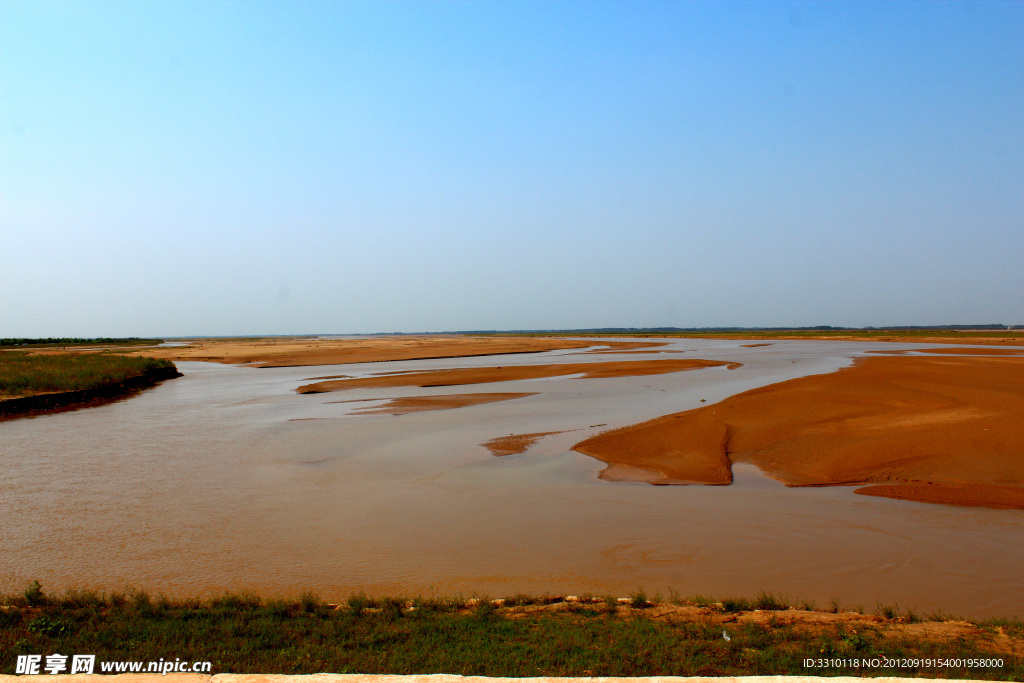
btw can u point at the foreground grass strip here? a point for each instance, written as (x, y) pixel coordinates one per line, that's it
(24, 373)
(243, 634)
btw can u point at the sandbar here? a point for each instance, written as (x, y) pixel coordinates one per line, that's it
(459, 376)
(931, 429)
(977, 351)
(281, 352)
(621, 347)
(514, 444)
(416, 404)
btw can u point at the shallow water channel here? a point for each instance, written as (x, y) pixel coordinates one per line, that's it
(228, 480)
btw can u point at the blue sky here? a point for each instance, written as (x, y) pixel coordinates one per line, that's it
(175, 168)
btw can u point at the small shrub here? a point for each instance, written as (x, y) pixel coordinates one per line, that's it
(485, 610)
(768, 601)
(518, 600)
(391, 608)
(309, 602)
(34, 594)
(50, 626)
(638, 599)
(358, 602)
(887, 611)
(735, 604)
(855, 641)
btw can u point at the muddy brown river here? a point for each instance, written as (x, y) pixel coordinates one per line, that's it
(228, 480)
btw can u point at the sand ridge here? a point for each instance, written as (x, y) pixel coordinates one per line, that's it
(932, 429)
(416, 404)
(459, 376)
(513, 444)
(277, 352)
(982, 351)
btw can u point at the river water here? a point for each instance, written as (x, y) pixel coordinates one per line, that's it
(227, 480)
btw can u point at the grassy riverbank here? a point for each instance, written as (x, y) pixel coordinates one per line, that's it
(72, 342)
(515, 637)
(26, 374)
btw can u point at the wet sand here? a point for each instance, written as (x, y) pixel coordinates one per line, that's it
(513, 444)
(944, 430)
(983, 351)
(416, 404)
(280, 352)
(460, 376)
(625, 347)
(660, 453)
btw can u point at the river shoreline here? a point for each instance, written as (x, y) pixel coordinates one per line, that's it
(42, 404)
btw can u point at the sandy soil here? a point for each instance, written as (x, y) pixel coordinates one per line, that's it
(291, 351)
(655, 451)
(458, 376)
(620, 347)
(416, 404)
(1014, 338)
(943, 430)
(956, 352)
(514, 444)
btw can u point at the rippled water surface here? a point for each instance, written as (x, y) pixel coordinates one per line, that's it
(226, 479)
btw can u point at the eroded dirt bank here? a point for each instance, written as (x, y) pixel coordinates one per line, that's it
(459, 376)
(931, 429)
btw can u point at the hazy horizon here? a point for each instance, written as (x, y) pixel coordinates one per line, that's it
(233, 168)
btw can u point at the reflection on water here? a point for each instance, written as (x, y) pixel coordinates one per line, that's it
(219, 481)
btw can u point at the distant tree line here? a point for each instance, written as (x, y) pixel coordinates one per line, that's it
(73, 341)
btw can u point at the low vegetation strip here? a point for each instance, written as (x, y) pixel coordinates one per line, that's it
(520, 636)
(56, 382)
(36, 342)
(26, 374)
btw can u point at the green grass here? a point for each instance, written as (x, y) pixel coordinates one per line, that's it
(23, 373)
(246, 634)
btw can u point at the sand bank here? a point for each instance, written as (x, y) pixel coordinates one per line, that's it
(943, 430)
(982, 351)
(459, 376)
(291, 352)
(514, 444)
(416, 404)
(619, 347)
